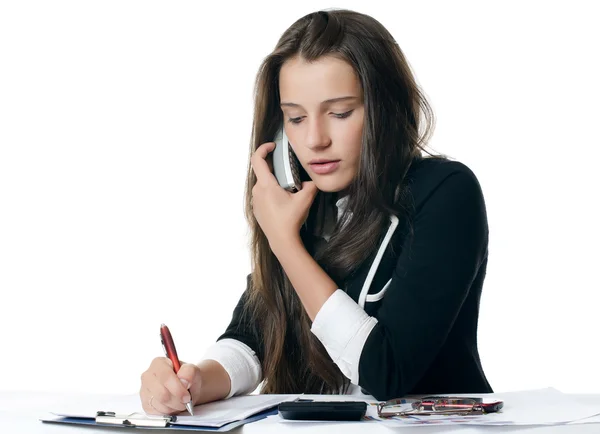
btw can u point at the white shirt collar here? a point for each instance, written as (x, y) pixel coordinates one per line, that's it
(330, 221)
(341, 205)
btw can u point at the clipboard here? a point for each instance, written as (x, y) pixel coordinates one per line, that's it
(218, 416)
(133, 419)
(142, 421)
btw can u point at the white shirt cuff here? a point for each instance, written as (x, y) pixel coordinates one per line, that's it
(240, 362)
(343, 327)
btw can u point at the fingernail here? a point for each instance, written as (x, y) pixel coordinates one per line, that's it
(185, 383)
(187, 398)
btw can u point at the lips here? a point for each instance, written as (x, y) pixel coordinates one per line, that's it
(323, 167)
(322, 161)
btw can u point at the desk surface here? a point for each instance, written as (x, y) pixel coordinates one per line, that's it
(20, 413)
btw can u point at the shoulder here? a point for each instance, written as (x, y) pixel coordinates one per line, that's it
(430, 177)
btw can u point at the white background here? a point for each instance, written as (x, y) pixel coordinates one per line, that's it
(124, 133)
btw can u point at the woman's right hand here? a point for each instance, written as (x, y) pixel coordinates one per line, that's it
(164, 392)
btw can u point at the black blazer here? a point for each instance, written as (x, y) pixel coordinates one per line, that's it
(425, 341)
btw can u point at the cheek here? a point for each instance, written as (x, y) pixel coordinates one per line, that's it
(353, 139)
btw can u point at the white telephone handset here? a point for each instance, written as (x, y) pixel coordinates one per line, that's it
(286, 166)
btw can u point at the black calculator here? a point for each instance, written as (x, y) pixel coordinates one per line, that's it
(323, 410)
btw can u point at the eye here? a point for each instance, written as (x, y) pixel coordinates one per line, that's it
(343, 115)
(337, 115)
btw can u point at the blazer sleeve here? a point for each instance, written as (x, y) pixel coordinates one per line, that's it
(241, 327)
(431, 280)
(239, 350)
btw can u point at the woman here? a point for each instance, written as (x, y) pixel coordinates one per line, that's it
(368, 279)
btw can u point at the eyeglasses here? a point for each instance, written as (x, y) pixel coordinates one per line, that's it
(430, 406)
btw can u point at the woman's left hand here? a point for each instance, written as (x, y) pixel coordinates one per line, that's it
(279, 212)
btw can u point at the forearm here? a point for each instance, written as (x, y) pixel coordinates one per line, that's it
(214, 383)
(310, 281)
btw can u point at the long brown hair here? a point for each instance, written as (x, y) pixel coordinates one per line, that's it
(294, 360)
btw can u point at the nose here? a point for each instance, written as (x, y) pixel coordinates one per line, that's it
(317, 135)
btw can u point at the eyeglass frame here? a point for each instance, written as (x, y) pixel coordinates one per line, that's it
(426, 407)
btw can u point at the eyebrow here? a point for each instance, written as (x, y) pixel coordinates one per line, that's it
(327, 101)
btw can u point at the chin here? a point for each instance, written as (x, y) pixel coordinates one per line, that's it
(331, 186)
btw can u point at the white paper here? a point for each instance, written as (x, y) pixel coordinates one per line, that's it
(219, 413)
(534, 407)
(87, 406)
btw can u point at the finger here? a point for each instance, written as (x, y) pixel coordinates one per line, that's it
(164, 401)
(187, 374)
(151, 403)
(261, 166)
(158, 363)
(170, 391)
(162, 384)
(309, 190)
(263, 150)
(179, 393)
(269, 161)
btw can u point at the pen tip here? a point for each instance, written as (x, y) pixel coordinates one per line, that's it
(190, 408)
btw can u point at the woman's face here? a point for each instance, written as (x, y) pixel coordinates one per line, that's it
(323, 115)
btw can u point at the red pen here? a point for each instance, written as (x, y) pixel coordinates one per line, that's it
(169, 346)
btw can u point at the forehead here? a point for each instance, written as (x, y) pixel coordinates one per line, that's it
(313, 82)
